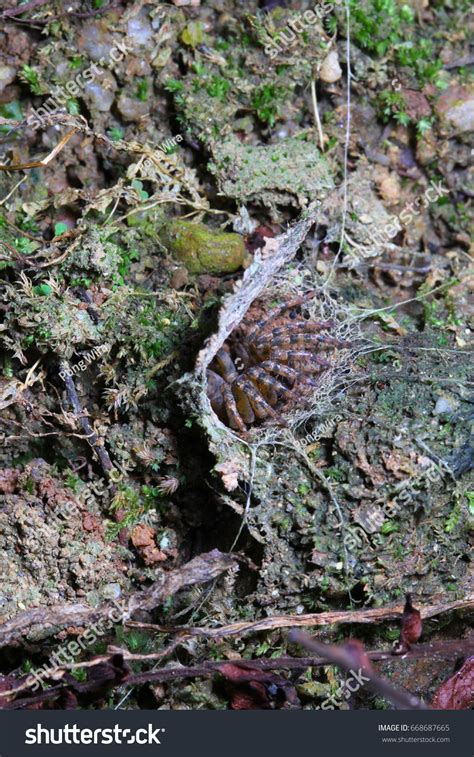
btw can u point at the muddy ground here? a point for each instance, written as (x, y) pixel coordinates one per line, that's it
(170, 174)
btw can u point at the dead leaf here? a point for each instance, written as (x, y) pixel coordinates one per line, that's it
(388, 185)
(391, 323)
(457, 693)
(230, 472)
(143, 539)
(397, 463)
(251, 689)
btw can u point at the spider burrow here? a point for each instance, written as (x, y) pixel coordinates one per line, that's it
(269, 366)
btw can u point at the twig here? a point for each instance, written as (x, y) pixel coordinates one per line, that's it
(242, 628)
(446, 649)
(201, 569)
(341, 656)
(442, 650)
(49, 18)
(91, 13)
(385, 267)
(44, 161)
(348, 122)
(438, 460)
(345, 196)
(7, 197)
(367, 313)
(11, 12)
(13, 250)
(459, 62)
(316, 114)
(95, 442)
(20, 231)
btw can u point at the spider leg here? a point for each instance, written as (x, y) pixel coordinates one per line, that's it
(273, 387)
(260, 406)
(302, 340)
(309, 327)
(259, 326)
(267, 392)
(225, 365)
(279, 369)
(215, 385)
(243, 405)
(235, 421)
(301, 359)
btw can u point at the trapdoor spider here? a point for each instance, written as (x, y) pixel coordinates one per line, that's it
(269, 366)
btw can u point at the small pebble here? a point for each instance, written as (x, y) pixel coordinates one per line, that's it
(443, 407)
(330, 70)
(7, 75)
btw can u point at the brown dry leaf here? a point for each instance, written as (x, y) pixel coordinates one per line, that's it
(10, 392)
(251, 689)
(370, 470)
(397, 464)
(352, 442)
(457, 693)
(229, 472)
(412, 627)
(390, 322)
(143, 539)
(436, 276)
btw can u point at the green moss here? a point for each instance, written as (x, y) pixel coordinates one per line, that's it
(387, 28)
(31, 77)
(379, 24)
(267, 102)
(132, 505)
(272, 174)
(142, 90)
(218, 87)
(42, 290)
(50, 321)
(203, 250)
(453, 518)
(392, 105)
